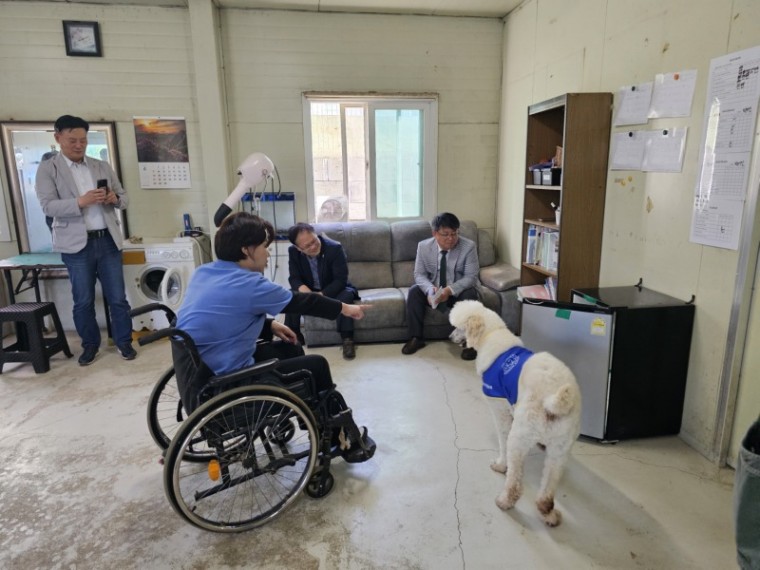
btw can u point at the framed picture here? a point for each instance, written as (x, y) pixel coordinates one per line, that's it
(82, 38)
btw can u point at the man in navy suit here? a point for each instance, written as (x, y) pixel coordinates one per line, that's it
(445, 271)
(318, 264)
(81, 194)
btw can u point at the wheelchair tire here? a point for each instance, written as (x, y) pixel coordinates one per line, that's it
(251, 475)
(319, 486)
(166, 414)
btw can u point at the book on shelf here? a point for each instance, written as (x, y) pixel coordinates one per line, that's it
(546, 290)
(530, 250)
(538, 291)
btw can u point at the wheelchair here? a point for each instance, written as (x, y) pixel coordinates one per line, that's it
(240, 455)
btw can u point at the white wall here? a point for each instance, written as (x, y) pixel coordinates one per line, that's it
(557, 46)
(146, 69)
(271, 58)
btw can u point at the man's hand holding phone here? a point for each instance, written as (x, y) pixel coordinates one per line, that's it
(110, 196)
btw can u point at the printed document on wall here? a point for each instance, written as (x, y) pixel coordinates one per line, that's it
(633, 104)
(729, 127)
(628, 150)
(673, 94)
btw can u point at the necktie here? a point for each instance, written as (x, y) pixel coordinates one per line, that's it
(442, 271)
(313, 263)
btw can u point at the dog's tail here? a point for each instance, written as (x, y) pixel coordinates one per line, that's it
(560, 403)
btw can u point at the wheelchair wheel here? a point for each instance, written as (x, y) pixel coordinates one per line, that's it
(166, 414)
(251, 474)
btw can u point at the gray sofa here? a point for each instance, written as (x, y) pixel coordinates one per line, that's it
(381, 266)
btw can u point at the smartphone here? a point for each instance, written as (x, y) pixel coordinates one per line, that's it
(102, 183)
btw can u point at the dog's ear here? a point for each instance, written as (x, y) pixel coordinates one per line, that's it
(474, 329)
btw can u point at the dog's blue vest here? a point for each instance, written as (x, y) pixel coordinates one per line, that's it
(500, 380)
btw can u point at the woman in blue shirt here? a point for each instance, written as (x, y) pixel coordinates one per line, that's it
(227, 302)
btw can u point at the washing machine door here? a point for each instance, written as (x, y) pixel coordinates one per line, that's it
(162, 284)
(170, 292)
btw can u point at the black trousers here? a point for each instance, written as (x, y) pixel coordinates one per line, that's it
(345, 324)
(292, 358)
(416, 303)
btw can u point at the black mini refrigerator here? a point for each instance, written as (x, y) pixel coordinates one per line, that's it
(629, 349)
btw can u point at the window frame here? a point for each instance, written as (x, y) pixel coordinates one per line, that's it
(426, 102)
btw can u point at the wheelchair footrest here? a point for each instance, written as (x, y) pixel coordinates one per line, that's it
(360, 451)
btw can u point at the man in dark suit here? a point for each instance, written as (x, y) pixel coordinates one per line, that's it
(318, 264)
(445, 271)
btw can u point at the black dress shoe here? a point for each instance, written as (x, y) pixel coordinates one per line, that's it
(469, 354)
(349, 350)
(88, 356)
(126, 351)
(413, 345)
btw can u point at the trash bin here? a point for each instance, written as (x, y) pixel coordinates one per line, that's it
(747, 500)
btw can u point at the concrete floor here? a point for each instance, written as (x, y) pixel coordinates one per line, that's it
(81, 486)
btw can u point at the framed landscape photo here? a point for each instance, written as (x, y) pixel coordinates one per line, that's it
(82, 38)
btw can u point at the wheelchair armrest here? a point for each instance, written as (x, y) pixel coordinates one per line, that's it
(170, 315)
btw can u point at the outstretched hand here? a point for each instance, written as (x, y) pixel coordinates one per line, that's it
(354, 311)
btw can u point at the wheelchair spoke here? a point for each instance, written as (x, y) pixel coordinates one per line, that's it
(266, 450)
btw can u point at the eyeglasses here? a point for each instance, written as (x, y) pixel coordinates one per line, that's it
(448, 235)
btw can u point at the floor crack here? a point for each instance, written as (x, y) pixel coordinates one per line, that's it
(459, 456)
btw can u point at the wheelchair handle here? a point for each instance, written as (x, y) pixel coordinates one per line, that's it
(170, 315)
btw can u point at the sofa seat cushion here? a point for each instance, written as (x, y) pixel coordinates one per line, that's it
(387, 310)
(500, 276)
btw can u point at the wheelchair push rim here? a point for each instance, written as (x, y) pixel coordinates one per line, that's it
(262, 445)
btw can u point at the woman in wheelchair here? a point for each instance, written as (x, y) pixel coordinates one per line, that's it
(225, 313)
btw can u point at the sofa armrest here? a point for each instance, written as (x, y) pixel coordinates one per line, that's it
(500, 276)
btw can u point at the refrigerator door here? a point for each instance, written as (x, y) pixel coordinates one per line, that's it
(580, 336)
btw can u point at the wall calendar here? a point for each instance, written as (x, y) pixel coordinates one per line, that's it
(162, 154)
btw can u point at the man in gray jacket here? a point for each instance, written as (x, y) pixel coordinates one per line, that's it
(82, 194)
(445, 271)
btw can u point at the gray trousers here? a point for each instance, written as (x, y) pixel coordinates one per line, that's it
(747, 501)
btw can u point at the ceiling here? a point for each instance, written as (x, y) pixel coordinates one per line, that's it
(476, 8)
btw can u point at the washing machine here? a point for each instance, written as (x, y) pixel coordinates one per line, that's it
(161, 275)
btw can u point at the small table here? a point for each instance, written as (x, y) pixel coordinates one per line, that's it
(31, 265)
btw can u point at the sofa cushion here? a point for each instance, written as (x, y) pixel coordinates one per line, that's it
(368, 249)
(500, 276)
(486, 250)
(387, 310)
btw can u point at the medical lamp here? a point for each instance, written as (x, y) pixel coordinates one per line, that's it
(254, 169)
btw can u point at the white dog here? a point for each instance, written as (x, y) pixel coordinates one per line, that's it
(543, 404)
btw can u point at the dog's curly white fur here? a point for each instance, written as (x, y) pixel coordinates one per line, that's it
(547, 412)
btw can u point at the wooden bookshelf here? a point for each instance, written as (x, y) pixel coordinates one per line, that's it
(580, 124)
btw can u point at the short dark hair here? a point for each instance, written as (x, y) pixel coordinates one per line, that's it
(65, 122)
(445, 220)
(296, 230)
(239, 230)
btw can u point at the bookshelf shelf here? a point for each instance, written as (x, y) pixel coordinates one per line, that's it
(541, 187)
(580, 124)
(543, 223)
(539, 269)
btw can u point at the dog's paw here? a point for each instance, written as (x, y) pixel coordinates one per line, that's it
(553, 518)
(503, 502)
(499, 466)
(508, 498)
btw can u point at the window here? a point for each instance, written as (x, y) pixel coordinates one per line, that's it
(370, 157)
